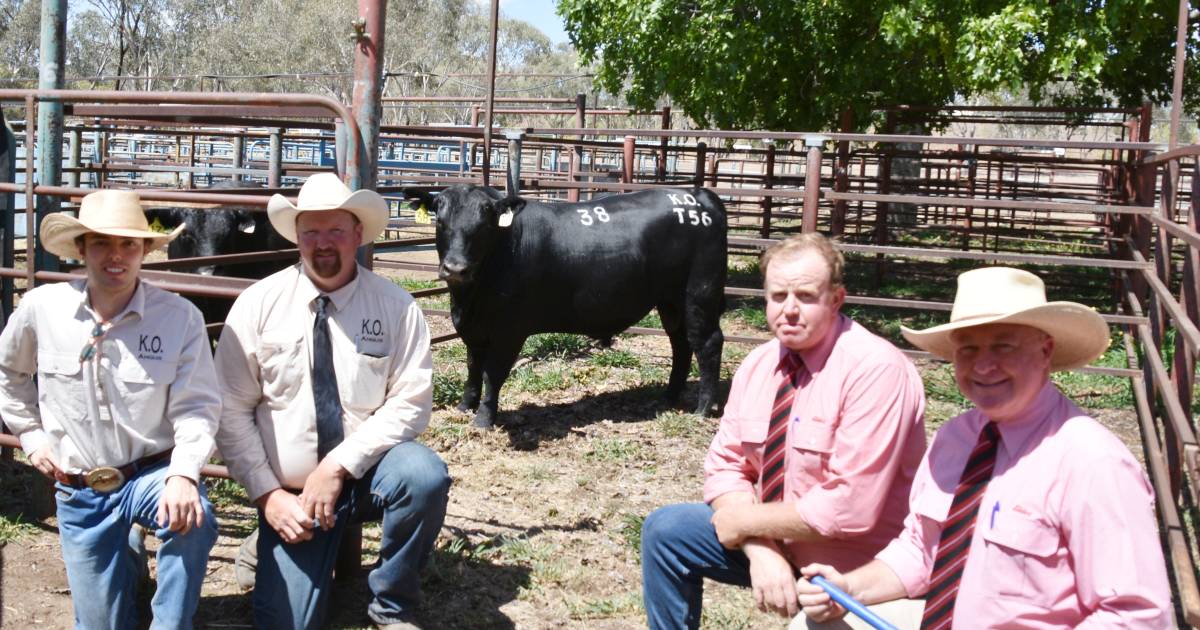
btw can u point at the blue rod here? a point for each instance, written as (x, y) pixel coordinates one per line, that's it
(851, 604)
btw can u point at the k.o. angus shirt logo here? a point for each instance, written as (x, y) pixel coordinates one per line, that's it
(150, 347)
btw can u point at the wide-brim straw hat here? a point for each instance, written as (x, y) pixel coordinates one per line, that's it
(325, 191)
(1002, 295)
(111, 212)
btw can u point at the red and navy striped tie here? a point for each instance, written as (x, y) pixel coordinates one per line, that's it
(957, 531)
(771, 488)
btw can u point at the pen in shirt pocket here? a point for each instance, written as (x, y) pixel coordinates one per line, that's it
(995, 508)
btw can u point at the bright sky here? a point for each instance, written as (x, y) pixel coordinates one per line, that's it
(539, 13)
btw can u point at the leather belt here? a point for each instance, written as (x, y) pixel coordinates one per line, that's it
(106, 479)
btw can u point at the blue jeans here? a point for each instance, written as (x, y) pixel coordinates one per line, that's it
(680, 549)
(101, 568)
(408, 490)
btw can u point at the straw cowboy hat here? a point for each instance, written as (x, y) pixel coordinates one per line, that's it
(1002, 295)
(325, 191)
(111, 212)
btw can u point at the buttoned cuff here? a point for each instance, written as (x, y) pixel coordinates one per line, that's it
(184, 467)
(260, 482)
(905, 562)
(718, 486)
(819, 514)
(354, 463)
(32, 441)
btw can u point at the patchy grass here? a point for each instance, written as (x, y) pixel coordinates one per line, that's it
(613, 358)
(448, 388)
(535, 380)
(224, 493)
(13, 528)
(631, 532)
(623, 605)
(616, 449)
(555, 346)
(417, 284)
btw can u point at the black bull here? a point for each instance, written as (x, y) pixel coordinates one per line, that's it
(591, 268)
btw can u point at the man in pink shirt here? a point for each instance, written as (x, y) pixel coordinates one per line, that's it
(1026, 513)
(814, 457)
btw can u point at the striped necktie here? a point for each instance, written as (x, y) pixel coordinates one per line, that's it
(958, 530)
(327, 402)
(771, 488)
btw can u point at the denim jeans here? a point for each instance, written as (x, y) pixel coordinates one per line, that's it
(680, 549)
(103, 571)
(408, 490)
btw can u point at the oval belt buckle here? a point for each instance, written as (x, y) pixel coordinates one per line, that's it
(104, 479)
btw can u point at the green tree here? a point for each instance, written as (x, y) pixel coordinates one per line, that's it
(789, 64)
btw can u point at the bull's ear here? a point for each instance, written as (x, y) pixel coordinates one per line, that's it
(426, 208)
(506, 209)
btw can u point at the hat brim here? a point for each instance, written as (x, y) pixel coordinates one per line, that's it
(1080, 333)
(58, 232)
(370, 208)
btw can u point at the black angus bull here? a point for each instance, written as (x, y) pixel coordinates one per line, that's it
(215, 232)
(592, 268)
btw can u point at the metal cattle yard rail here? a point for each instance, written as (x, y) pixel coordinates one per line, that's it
(1108, 222)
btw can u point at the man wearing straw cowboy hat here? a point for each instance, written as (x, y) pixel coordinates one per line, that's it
(327, 376)
(1025, 511)
(122, 413)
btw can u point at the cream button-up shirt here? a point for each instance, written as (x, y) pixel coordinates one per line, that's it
(381, 357)
(149, 386)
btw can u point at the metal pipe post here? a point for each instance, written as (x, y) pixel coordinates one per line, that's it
(368, 88)
(701, 153)
(491, 97)
(661, 170)
(275, 164)
(628, 155)
(73, 161)
(577, 150)
(50, 115)
(812, 182)
(1177, 91)
(514, 161)
(239, 152)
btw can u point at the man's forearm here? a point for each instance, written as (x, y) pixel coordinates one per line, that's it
(739, 516)
(875, 582)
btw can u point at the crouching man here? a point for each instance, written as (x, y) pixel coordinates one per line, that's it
(328, 375)
(1025, 511)
(122, 413)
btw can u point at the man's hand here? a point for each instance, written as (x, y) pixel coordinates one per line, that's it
(772, 579)
(729, 524)
(321, 490)
(285, 515)
(43, 461)
(179, 507)
(817, 604)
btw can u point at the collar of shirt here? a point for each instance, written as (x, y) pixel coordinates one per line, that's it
(1016, 433)
(814, 358)
(340, 297)
(136, 306)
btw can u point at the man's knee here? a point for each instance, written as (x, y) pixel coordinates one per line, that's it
(672, 524)
(413, 474)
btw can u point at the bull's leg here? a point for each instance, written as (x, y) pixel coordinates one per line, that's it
(681, 350)
(704, 333)
(499, 361)
(470, 396)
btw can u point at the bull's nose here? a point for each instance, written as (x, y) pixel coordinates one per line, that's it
(452, 270)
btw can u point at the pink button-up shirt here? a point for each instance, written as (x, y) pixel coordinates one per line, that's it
(1066, 535)
(855, 440)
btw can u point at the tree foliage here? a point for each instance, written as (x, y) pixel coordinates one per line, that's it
(787, 64)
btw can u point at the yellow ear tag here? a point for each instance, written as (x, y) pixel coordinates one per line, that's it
(505, 219)
(157, 226)
(422, 215)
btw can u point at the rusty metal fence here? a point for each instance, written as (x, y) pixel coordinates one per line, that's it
(1108, 213)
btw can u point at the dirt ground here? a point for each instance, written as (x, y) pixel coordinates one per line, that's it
(545, 513)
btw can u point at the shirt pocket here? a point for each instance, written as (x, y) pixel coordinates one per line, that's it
(1021, 552)
(59, 365)
(366, 386)
(811, 440)
(281, 370)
